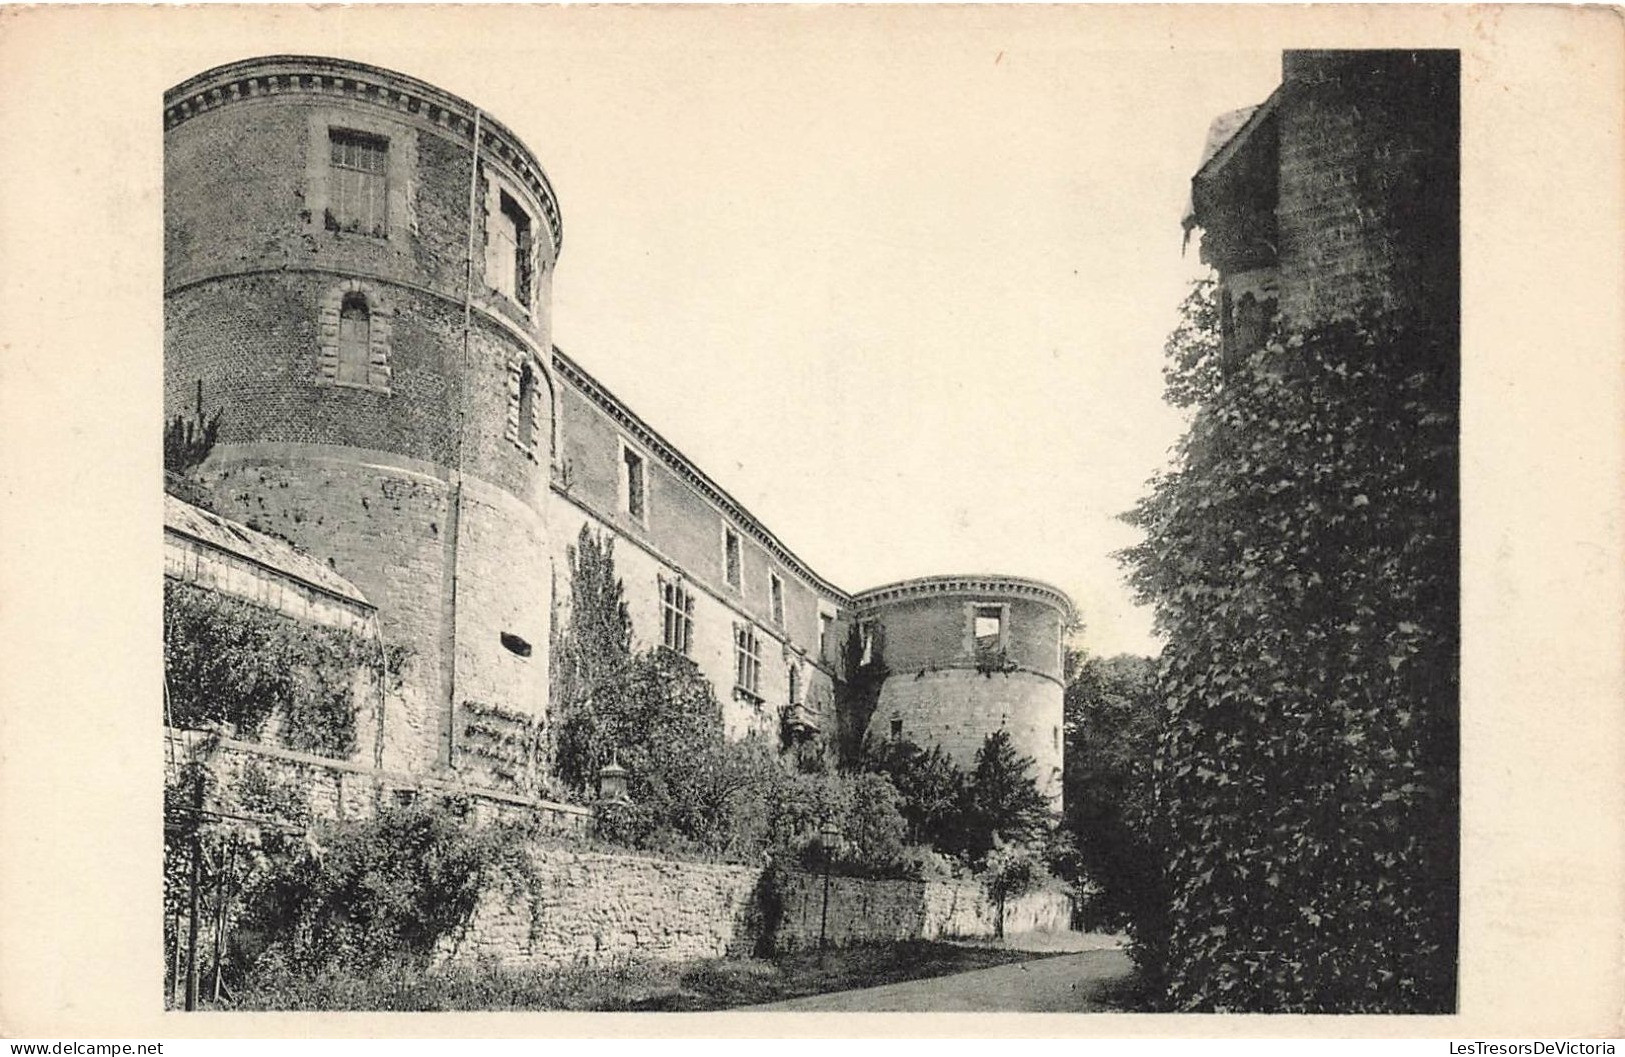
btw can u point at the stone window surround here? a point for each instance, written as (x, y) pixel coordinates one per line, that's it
(737, 583)
(624, 483)
(380, 318)
(971, 609)
(775, 597)
(747, 663)
(497, 184)
(516, 369)
(677, 615)
(402, 141)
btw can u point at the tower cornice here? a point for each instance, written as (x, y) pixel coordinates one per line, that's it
(277, 76)
(989, 585)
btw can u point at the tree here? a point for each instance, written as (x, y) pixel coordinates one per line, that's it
(1302, 560)
(1002, 801)
(590, 653)
(188, 441)
(1112, 723)
(931, 786)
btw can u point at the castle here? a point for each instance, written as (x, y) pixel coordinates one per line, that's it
(357, 276)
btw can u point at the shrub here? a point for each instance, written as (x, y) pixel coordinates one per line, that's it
(228, 661)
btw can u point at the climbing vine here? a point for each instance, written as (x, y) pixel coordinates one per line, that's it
(229, 661)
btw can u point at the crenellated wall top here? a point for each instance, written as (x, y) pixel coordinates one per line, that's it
(341, 79)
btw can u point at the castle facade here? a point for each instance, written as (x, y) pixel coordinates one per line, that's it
(357, 275)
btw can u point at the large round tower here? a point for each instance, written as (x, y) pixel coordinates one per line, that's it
(357, 269)
(969, 655)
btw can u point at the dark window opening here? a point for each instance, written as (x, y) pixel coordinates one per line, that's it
(634, 483)
(730, 556)
(515, 645)
(527, 407)
(677, 618)
(355, 339)
(897, 728)
(776, 587)
(510, 255)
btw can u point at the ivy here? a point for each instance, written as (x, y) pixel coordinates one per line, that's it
(1302, 561)
(229, 661)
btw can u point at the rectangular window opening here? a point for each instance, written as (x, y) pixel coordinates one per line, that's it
(776, 588)
(730, 556)
(633, 483)
(358, 192)
(825, 628)
(747, 660)
(509, 257)
(988, 628)
(677, 613)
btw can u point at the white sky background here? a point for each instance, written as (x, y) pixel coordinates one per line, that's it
(903, 295)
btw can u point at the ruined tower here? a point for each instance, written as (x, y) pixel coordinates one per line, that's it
(357, 272)
(966, 656)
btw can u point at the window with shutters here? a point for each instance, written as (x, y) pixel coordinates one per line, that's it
(358, 183)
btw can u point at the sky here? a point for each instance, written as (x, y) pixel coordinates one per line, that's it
(898, 280)
(902, 295)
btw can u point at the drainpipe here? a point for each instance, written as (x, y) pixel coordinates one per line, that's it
(454, 529)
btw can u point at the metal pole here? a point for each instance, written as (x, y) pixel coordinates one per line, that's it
(192, 912)
(823, 915)
(223, 893)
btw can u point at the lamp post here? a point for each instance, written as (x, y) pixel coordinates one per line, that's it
(612, 782)
(828, 834)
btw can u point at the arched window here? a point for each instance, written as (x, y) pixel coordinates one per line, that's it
(527, 407)
(355, 339)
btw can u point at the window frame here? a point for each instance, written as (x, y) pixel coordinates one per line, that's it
(733, 559)
(747, 662)
(627, 452)
(339, 136)
(676, 617)
(775, 597)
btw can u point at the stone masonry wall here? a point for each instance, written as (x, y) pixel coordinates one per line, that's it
(591, 908)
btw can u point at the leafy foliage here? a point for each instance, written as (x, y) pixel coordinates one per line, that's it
(1112, 723)
(1302, 559)
(229, 661)
(858, 691)
(380, 891)
(188, 441)
(589, 654)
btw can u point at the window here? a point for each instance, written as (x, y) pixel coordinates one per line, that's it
(826, 625)
(355, 339)
(776, 589)
(632, 484)
(795, 685)
(987, 629)
(866, 640)
(747, 661)
(896, 728)
(507, 259)
(730, 556)
(527, 407)
(353, 336)
(358, 191)
(677, 617)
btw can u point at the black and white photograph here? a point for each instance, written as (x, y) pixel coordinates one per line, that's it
(803, 511)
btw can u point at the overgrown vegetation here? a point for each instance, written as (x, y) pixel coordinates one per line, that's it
(1112, 721)
(188, 441)
(229, 661)
(1302, 559)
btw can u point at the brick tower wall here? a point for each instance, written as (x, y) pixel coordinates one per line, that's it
(409, 480)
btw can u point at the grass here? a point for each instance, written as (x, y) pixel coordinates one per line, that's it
(639, 986)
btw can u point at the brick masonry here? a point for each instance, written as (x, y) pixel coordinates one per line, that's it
(414, 483)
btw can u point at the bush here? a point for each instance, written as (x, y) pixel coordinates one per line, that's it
(385, 890)
(228, 661)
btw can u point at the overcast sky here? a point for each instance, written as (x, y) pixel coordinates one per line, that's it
(899, 283)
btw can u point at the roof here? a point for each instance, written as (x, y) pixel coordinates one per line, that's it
(184, 519)
(1225, 135)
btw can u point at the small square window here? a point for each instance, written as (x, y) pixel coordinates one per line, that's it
(896, 728)
(776, 589)
(730, 556)
(987, 630)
